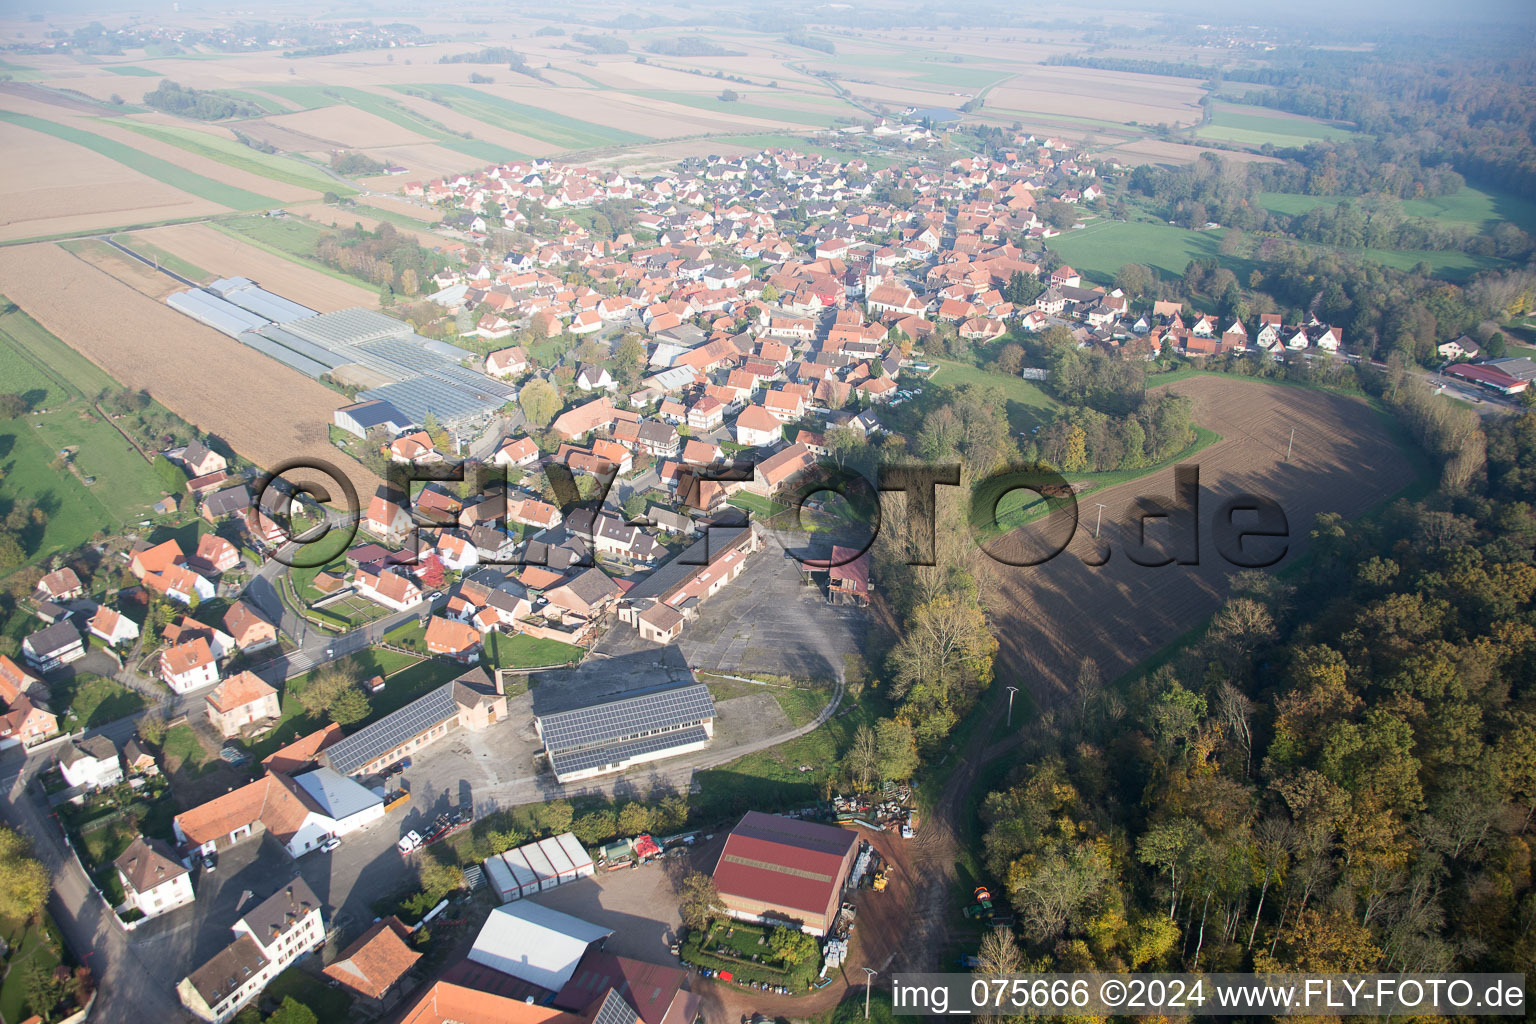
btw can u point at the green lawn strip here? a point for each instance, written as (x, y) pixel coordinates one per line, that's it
(71, 514)
(268, 103)
(122, 481)
(756, 503)
(771, 779)
(24, 376)
(169, 260)
(744, 108)
(534, 122)
(240, 156)
(1239, 123)
(1475, 207)
(133, 69)
(82, 375)
(144, 163)
(259, 231)
(1101, 249)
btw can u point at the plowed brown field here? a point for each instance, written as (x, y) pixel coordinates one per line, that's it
(225, 256)
(1049, 617)
(266, 411)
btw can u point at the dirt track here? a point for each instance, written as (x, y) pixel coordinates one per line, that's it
(1049, 617)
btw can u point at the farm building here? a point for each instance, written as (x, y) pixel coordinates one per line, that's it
(362, 417)
(1486, 375)
(611, 737)
(535, 944)
(472, 701)
(784, 870)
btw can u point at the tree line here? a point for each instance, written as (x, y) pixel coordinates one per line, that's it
(202, 104)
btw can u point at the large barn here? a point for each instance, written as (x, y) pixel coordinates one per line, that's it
(783, 870)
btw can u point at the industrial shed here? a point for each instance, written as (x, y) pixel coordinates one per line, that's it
(535, 944)
(613, 736)
(785, 870)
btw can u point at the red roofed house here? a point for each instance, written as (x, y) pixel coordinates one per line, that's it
(112, 627)
(458, 640)
(250, 630)
(215, 554)
(241, 700)
(780, 869)
(387, 520)
(757, 426)
(62, 585)
(390, 589)
(706, 414)
(156, 559)
(188, 666)
(780, 469)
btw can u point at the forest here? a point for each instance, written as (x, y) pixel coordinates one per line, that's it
(202, 104)
(384, 257)
(1338, 775)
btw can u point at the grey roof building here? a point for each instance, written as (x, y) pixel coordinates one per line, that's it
(612, 736)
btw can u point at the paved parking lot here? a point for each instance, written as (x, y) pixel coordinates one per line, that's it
(768, 622)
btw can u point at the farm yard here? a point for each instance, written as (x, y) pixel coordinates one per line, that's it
(1049, 617)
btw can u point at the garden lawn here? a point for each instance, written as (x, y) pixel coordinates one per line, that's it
(89, 700)
(331, 1005)
(1101, 249)
(524, 651)
(29, 945)
(145, 163)
(184, 754)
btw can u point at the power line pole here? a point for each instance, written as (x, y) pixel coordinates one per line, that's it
(1011, 691)
(1289, 443)
(869, 976)
(1099, 521)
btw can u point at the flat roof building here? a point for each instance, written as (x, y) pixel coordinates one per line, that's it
(536, 944)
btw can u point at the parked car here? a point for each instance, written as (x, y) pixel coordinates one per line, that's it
(210, 862)
(330, 844)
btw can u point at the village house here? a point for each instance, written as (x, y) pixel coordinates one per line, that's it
(60, 585)
(112, 627)
(154, 882)
(189, 666)
(200, 460)
(388, 520)
(373, 967)
(249, 630)
(53, 646)
(268, 939)
(391, 589)
(91, 763)
(757, 427)
(457, 640)
(240, 702)
(214, 555)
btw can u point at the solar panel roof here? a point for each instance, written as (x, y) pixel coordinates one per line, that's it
(614, 1010)
(626, 719)
(367, 744)
(623, 750)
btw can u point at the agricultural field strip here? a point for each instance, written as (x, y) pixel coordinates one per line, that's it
(313, 97)
(242, 157)
(144, 163)
(544, 125)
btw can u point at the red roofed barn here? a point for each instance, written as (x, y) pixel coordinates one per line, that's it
(781, 869)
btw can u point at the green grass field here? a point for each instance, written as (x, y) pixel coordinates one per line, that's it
(241, 157)
(133, 69)
(1101, 249)
(88, 701)
(292, 238)
(544, 125)
(144, 163)
(123, 485)
(1478, 208)
(31, 943)
(1254, 126)
(523, 651)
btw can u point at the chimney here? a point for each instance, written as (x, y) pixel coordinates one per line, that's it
(501, 686)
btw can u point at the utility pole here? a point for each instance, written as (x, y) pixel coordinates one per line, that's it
(1011, 691)
(869, 976)
(1099, 521)
(1289, 443)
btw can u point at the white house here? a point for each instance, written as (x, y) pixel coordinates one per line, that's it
(189, 666)
(112, 627)
(154, 881)
(268, 939)
(92, 763)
